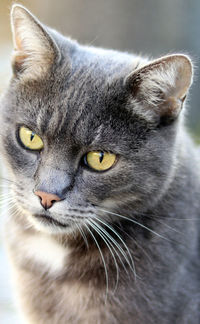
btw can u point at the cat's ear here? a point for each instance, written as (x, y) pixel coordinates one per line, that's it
(159, 88)
(34, 49)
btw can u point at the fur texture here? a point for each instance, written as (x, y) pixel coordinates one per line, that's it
(121, 246)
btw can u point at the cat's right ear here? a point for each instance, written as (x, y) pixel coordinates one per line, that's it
(34, 49)
(160, 87)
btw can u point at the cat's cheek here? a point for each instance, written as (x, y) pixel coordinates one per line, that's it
(19, 158)
(27, 201)
(23, 165)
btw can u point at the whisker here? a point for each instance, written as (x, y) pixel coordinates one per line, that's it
(6, 179)
(6, 202)
(167, 217)
(139, 246)
(11, 205)
(5, 198)
(137, 223)
(102, 257)
(168, 226)
(107, 242)
(119, 237)
(94, 39)
(120, 249)
(82, 234)
(160, 222)
(108, 237)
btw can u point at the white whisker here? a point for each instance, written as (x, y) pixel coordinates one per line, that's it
(135, 222)
(100, 231)
(138, 245)
(102, 257)
(82, 234)
(11, 204)
(119, 247)
(113, 243)
(168, 226)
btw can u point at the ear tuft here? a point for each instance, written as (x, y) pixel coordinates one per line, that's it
(162, 85)
(34, 49)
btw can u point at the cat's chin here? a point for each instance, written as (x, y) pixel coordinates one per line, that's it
(48, 220)
(50, 225)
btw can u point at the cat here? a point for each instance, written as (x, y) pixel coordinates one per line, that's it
(102, 223)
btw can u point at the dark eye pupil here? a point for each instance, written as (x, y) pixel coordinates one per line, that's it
(101, 157)
(32, 136)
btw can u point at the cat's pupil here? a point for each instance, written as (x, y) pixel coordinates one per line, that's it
(32, 136)
(101, 157)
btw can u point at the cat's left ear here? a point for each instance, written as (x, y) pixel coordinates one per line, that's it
(159, 88)
(34, 49)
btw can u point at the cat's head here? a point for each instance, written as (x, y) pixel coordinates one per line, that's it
(85, 130)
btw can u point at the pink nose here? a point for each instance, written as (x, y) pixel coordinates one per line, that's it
(47, 199)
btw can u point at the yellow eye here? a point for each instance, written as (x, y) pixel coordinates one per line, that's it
(29, 139)
(100, 161)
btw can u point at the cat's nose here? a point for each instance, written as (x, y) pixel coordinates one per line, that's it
(47, 199)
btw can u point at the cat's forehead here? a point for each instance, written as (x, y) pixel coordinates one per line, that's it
(86, 77)
(72, 100)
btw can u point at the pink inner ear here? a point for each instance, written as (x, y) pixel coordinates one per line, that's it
(19, 55)
(183, 81)
(18, 40)
(18, 43)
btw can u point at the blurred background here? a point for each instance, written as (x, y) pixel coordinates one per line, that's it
(146, 27)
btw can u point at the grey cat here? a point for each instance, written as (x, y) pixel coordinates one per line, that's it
(104, 182)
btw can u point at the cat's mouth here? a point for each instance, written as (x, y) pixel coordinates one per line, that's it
(48, 220)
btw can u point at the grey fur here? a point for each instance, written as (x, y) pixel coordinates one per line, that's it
(94, 99)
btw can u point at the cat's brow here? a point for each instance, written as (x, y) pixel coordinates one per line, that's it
(98, 135)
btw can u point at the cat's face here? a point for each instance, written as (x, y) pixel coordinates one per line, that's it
(79, 100)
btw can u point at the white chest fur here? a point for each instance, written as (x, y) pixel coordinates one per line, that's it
(45, 251)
